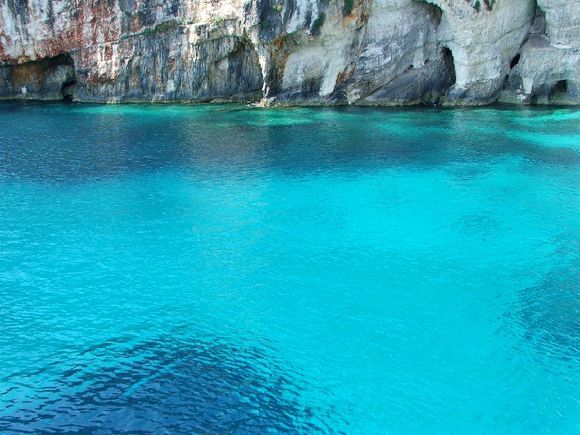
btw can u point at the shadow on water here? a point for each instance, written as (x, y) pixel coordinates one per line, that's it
(169, 386)
(60, 143)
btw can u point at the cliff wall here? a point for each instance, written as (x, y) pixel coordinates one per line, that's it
(364, 52)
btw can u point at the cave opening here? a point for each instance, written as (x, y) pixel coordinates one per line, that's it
(560, 89)
(515, 61)
(449, 65)
(67, 88)
(435, 12)
(67, 91)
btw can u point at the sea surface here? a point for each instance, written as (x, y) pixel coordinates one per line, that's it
(229, 269)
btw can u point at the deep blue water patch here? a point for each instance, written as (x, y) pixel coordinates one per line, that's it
(179, 386)
(550, 311)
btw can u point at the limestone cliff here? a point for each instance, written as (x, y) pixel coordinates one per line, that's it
(363, 52)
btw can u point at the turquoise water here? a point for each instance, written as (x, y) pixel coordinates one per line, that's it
(231, 269)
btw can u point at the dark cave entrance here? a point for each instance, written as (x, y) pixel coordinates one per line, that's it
(67, 91)
(515, 61)
(559, 90)
(449, 66)
(68, 87)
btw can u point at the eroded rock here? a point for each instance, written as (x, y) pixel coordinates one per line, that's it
(362, 52)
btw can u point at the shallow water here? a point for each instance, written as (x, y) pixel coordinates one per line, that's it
(231, 269)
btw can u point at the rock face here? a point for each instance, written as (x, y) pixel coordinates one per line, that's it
(364, 52)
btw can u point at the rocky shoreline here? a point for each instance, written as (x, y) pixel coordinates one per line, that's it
(292, 52)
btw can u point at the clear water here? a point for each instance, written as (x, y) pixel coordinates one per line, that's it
(230, 269)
